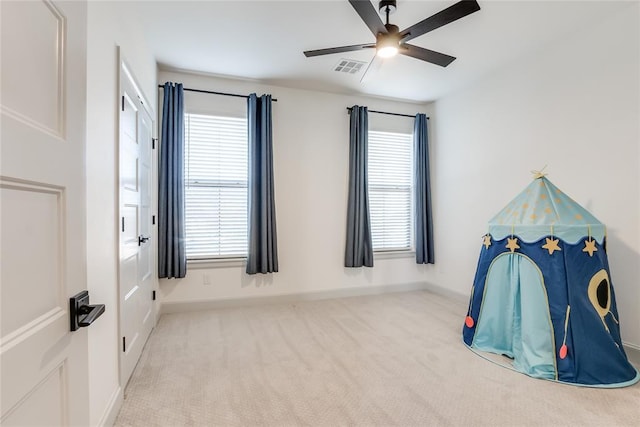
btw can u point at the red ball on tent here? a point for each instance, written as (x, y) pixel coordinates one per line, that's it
(469, 322)
(563, 351)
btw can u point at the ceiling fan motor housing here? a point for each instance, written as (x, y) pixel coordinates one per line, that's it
(392, 29)
(383, 4)
(389, 39)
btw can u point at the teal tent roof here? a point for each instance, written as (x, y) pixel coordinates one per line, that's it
(543, 210)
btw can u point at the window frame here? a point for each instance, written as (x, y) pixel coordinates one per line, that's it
(389, 252)
(212, 261)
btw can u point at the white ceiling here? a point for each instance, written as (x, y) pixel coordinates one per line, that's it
(264, 40)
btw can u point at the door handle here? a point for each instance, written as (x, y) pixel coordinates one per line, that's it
(142, 239)
(81, 314)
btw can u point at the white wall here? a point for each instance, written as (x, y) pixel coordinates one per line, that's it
(108, 26)
(574, 106)
(311, 151)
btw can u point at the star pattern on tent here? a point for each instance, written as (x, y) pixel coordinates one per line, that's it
(486, 241)
(512, 244)
(590, 247)
(551, 245)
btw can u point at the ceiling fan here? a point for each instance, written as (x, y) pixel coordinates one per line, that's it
(391, 41)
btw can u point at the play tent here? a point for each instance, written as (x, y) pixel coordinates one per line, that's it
(542, 294)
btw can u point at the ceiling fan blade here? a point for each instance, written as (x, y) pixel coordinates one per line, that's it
(444, 17)
(426, 55)
(372, 68)
(329, 51)
(369, 15)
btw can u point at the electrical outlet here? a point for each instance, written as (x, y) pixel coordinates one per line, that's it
(206, 280)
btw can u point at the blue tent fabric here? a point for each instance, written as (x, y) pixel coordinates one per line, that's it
(542, 209)
(580, 306)
(509, 323)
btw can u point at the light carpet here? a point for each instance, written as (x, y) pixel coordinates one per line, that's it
(385, 360)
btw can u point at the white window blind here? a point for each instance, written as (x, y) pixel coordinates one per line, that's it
(390, 165)
(216, 186)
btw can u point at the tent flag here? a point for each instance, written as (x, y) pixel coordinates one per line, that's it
(543, 296)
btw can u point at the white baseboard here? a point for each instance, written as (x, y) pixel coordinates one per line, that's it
(448, 293)
(633, 353)
(200, 305)
(113, 408)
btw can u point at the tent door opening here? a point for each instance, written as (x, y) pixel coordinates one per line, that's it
(514, 317)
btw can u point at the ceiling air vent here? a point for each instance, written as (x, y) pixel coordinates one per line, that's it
(350, 66)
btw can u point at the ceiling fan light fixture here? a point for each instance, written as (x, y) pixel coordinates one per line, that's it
(387, 45)
(387, 51)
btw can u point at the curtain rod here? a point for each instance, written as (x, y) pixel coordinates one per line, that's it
(384, 112)
(215, 93)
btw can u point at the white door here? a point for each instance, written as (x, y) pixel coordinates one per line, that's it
(43, 106)
(136, 249)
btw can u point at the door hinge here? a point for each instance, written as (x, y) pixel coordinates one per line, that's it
(153, 143)
(122, 102)
(124, 344)
(122, 224)
(153, 220)
(153, 296)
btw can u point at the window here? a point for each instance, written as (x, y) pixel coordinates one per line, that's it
(216, 186)
(390, 166)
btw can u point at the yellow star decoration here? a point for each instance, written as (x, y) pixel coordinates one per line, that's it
(551, 245)
(512, 244)
(590, 247)
(486, 241)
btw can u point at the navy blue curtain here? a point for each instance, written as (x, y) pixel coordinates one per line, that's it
(262, 254)
(172, 258)
(359, 249)
(422, 187)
